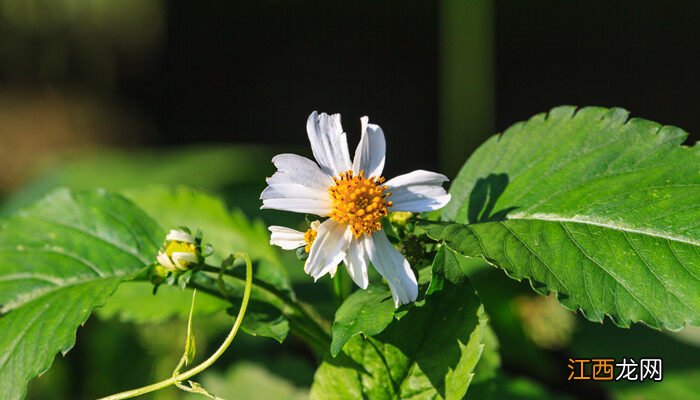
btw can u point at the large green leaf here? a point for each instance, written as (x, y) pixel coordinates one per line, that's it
(429, 353)
(59, 259)
(367, 311)
(602, 210)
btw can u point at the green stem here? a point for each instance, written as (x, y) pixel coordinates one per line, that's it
(338, 289)
(209, 361)
(304, 323)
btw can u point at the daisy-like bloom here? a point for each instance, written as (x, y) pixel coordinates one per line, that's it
(180, 251)
(355, 197)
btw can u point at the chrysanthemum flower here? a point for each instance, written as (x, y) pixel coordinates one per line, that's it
(355, 197)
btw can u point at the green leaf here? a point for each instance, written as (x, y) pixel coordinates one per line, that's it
(367, 311)
(501, 297)
(490, 361)
(600, 209)
(190, 343)
(429, 353)
(455, 267)
(59, 259)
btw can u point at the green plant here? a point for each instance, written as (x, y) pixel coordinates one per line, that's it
(595, 208)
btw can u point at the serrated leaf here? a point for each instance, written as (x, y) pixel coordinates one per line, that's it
(367, 311)
(429, 353)
(598, 208)
(59, 259)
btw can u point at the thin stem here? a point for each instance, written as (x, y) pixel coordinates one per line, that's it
(209, 361)
(337, 289)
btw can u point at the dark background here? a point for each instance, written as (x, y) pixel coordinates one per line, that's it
(229, 72)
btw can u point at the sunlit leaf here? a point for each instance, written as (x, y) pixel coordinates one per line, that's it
(59, 259)
(367, 311)
(602, 210)
(429, 353)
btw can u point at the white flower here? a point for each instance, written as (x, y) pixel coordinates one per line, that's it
(355, 197)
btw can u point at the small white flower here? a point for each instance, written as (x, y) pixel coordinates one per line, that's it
(355, 197)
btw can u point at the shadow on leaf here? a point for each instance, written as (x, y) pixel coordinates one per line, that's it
(483, 198)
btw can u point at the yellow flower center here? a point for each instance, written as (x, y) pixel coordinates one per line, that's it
(180, 247)
(309, 237)
(359, 202)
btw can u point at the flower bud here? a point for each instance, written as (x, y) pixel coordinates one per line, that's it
(182, 251)
(400, 218)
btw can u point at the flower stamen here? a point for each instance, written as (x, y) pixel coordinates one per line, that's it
(359, 202)
(309, 237)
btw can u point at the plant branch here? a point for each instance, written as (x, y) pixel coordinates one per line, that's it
(209, 361)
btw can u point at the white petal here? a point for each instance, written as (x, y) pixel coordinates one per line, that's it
(371, 151)
(164, 261)
(292, 168)
(296, 198)
(315, 224)
(356, 262)
(328, 248)
(182, 258)
(418, 191)
(393, 267)
(179, 236)
(286, 238)
(328, 143)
